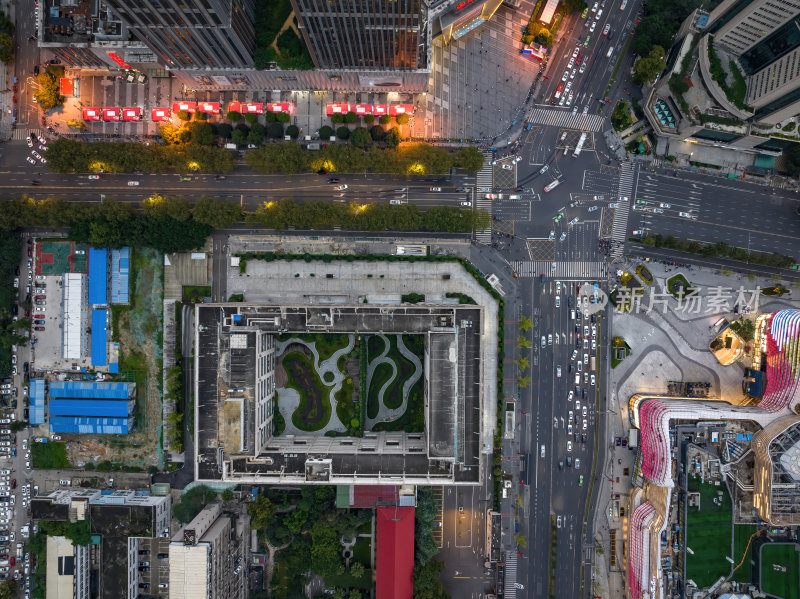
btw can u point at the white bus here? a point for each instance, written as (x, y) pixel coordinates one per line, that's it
(579, 147)
(552, 185)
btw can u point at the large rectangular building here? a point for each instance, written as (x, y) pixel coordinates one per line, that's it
(235, 390)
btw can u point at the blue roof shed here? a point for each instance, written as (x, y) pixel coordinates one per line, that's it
(100, 408)
(98, 276)
(96, 426)
(89, 390)
(36, 397)
(99, 337)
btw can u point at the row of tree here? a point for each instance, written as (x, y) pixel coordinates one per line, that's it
(408, 159)
(718, 250)
(70, 156)
(372, 217)
(351, 118)
(10, 330)
(209, 134)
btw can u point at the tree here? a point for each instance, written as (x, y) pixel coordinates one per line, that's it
(73, 124)
(337, 119)
(191, 502)
(6, 48)
(48, 95)
(377, 133)
(234, 116)
(426, 581)
(393, 137)
(325, 132)
(369, 119)
(18, 425)
(251, 117)
(224, 130)
(261, 511)
(544, 37)
(343, 133)
(9, 589)
(385, 119)
(469, 159)
(523, 382)
(522, 363)
(227, 495)
(360, 137)
(202, 134)
(574, 5)
(792, 156)
(351, 117)
(282, 117)
(402, 119)
(292, 131)
(716, 344)
(356, 570)
(523, 342)
(275, 130)
(184, 115)
(238, 137)
(256, 135)
(520, 540)
(326, 551)
(647, 67)
(525, 323)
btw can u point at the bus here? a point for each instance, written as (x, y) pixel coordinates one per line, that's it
(579, 147)
(552, 185)
(593, 364)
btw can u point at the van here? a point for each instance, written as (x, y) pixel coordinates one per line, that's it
(572, 314)
(610, 52)
(542, 451)
(577, 379)
(514, 197)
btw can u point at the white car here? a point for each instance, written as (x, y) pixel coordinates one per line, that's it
(570, 396)
(595, 7)
(467, 204)
(663, 205)
(550, 340)
(24, 444)
(569, 445)
(133, 183)
(591, 380)
(575, 52)
(594, 344)
(436, 189)
(585, 424)
(685, 214)
(577, 462)
(94, 177)
(36, 155)
(38, 309)
(583, 67)
(558, 371)
(42, 160)
(585, 358)
(565, 76)
(599, 14)
(571, 63)
(594, 330)
(65, 483)
(592, 208)
(31, 160)
(42, 149)
(593, 26)
(584, 411)
(30, 142)
(340, 187)
(508, 167)
(562, 237)
(606, 29)
(27, 465)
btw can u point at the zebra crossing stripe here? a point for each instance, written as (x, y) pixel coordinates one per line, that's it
(563, 270)
(510, 590)
(565, 119)
(484, 179)
(627, 178)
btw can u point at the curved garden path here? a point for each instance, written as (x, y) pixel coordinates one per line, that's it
(384, 412)
(289, 399)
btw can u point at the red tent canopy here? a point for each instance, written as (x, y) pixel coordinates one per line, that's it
(111, 113)
(234, 106)
(395, 553)
(380, 109)
(132, 113)
(395, 109)
(159, 114)
(287, 107)
(91, 114)
(338, 109)
(253, 108)
(209, 107)
(186, 105)
(363, 109)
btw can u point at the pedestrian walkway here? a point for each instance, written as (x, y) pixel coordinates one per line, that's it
(484, 184)
(25, 133)
(510, 587)
(627, 179)
(567, 120)
(563, 270)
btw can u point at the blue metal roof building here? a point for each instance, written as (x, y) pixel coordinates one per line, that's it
(97, 408)
(96, 426)
(99, 337)
(120, 275)
(91, 390)
(98, 276)
(36, 397)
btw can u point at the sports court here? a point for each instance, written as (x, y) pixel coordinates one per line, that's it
(780, 570)
(708, 533)
(59, 257)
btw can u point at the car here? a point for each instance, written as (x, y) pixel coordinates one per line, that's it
(587, 23)
(333, 180)
(571, 63)
(576, 51)
(588, 38)
(592, 208)
(685, 214)
(585, 424)
(569, 432)
(606, 29)
(552, 235)
(558, 522)
(544, 169)
(580, 366)
(623, 4)
(30, 160)
(58, 438)
(36, 154)
(30, 143)
(594, 344)
(42, 148)
(663, 205)
(574, 221)
(24, 444)
(508, 167)
(570, 396)
(550, 339)
(558, 301)
(133, 183)
(593, 26)
(39, 309)
(637, 207)
(40, 297)
(591, 380)
(594, 330)
(569, 445)
(583, 68)
(570, 416)
(578, 58)
(340, 187)
(436, 189)
(27, 464)
(585, 356)
(544, 341)
(598, 15)
(466, 204)
(494, 196)
(562, 237)
(595, 7)
(558, 372)
(558, 217)
(565, 76)
(94, 177)
(35, 490)
(658, 211)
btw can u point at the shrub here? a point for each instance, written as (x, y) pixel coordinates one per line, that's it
(343, 133)
(200, 116)
(224, 130)
(251, 118)
(369, 119)
(283, 117)
(184, 115)
(275, 130)
(351, 117)
(377, 133)
(402, 119)
(292, 131)
(325, 132)
(337, 119)
(360, 137)
(270, 117)
(385, 119)
(234, 116)
(790, 126)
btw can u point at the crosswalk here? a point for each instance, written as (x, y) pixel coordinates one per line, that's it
(627, 178)
(20, 134)
(484, 182)
(565, 119)
(510, 586)
(575, 269)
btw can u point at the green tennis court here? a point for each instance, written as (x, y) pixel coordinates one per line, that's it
(780, 570)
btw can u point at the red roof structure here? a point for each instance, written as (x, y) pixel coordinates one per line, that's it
(234, 106)
(186, 105)
(396, 109)
(253, 108)
(159, 113)
(91, 114)
(338, 109)
(287, 107)
(395, 553)
(66, 86)
(363, 109)
(111, 113)
(208, 107)
(131, 113)
(369, 496)
(380, 109)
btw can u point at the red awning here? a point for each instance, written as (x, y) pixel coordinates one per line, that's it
(395, 553)
(395, 109)
(234, 106)
(286, 107)
(66, 87)
(159, 114)
(338, 109)
(253, 108)
(131, 113)
(91, 114)
(363, 109)
(208, 107)
(380, 109)
(186, 105)
(111, 114)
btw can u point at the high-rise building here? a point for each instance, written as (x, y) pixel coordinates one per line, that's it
(193, 34)
(377, 34)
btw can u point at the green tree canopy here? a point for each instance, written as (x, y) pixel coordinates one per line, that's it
(234, 116)
(6, 48)
(343, 133)
(393, 137)
(648, 67)
(293, 131)
(351, 117)
(325, 132)
(275, 130)
(48, 95)
(360, 137)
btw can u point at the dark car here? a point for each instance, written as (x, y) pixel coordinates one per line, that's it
(26, 418)
(15, 309)
(13, 483)
(163, 555)
(144, 569)
(14, 405)
(220, 177)
(38, 328)
(333, 180)
(34, 182)
(463, 189)
(144, 552)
